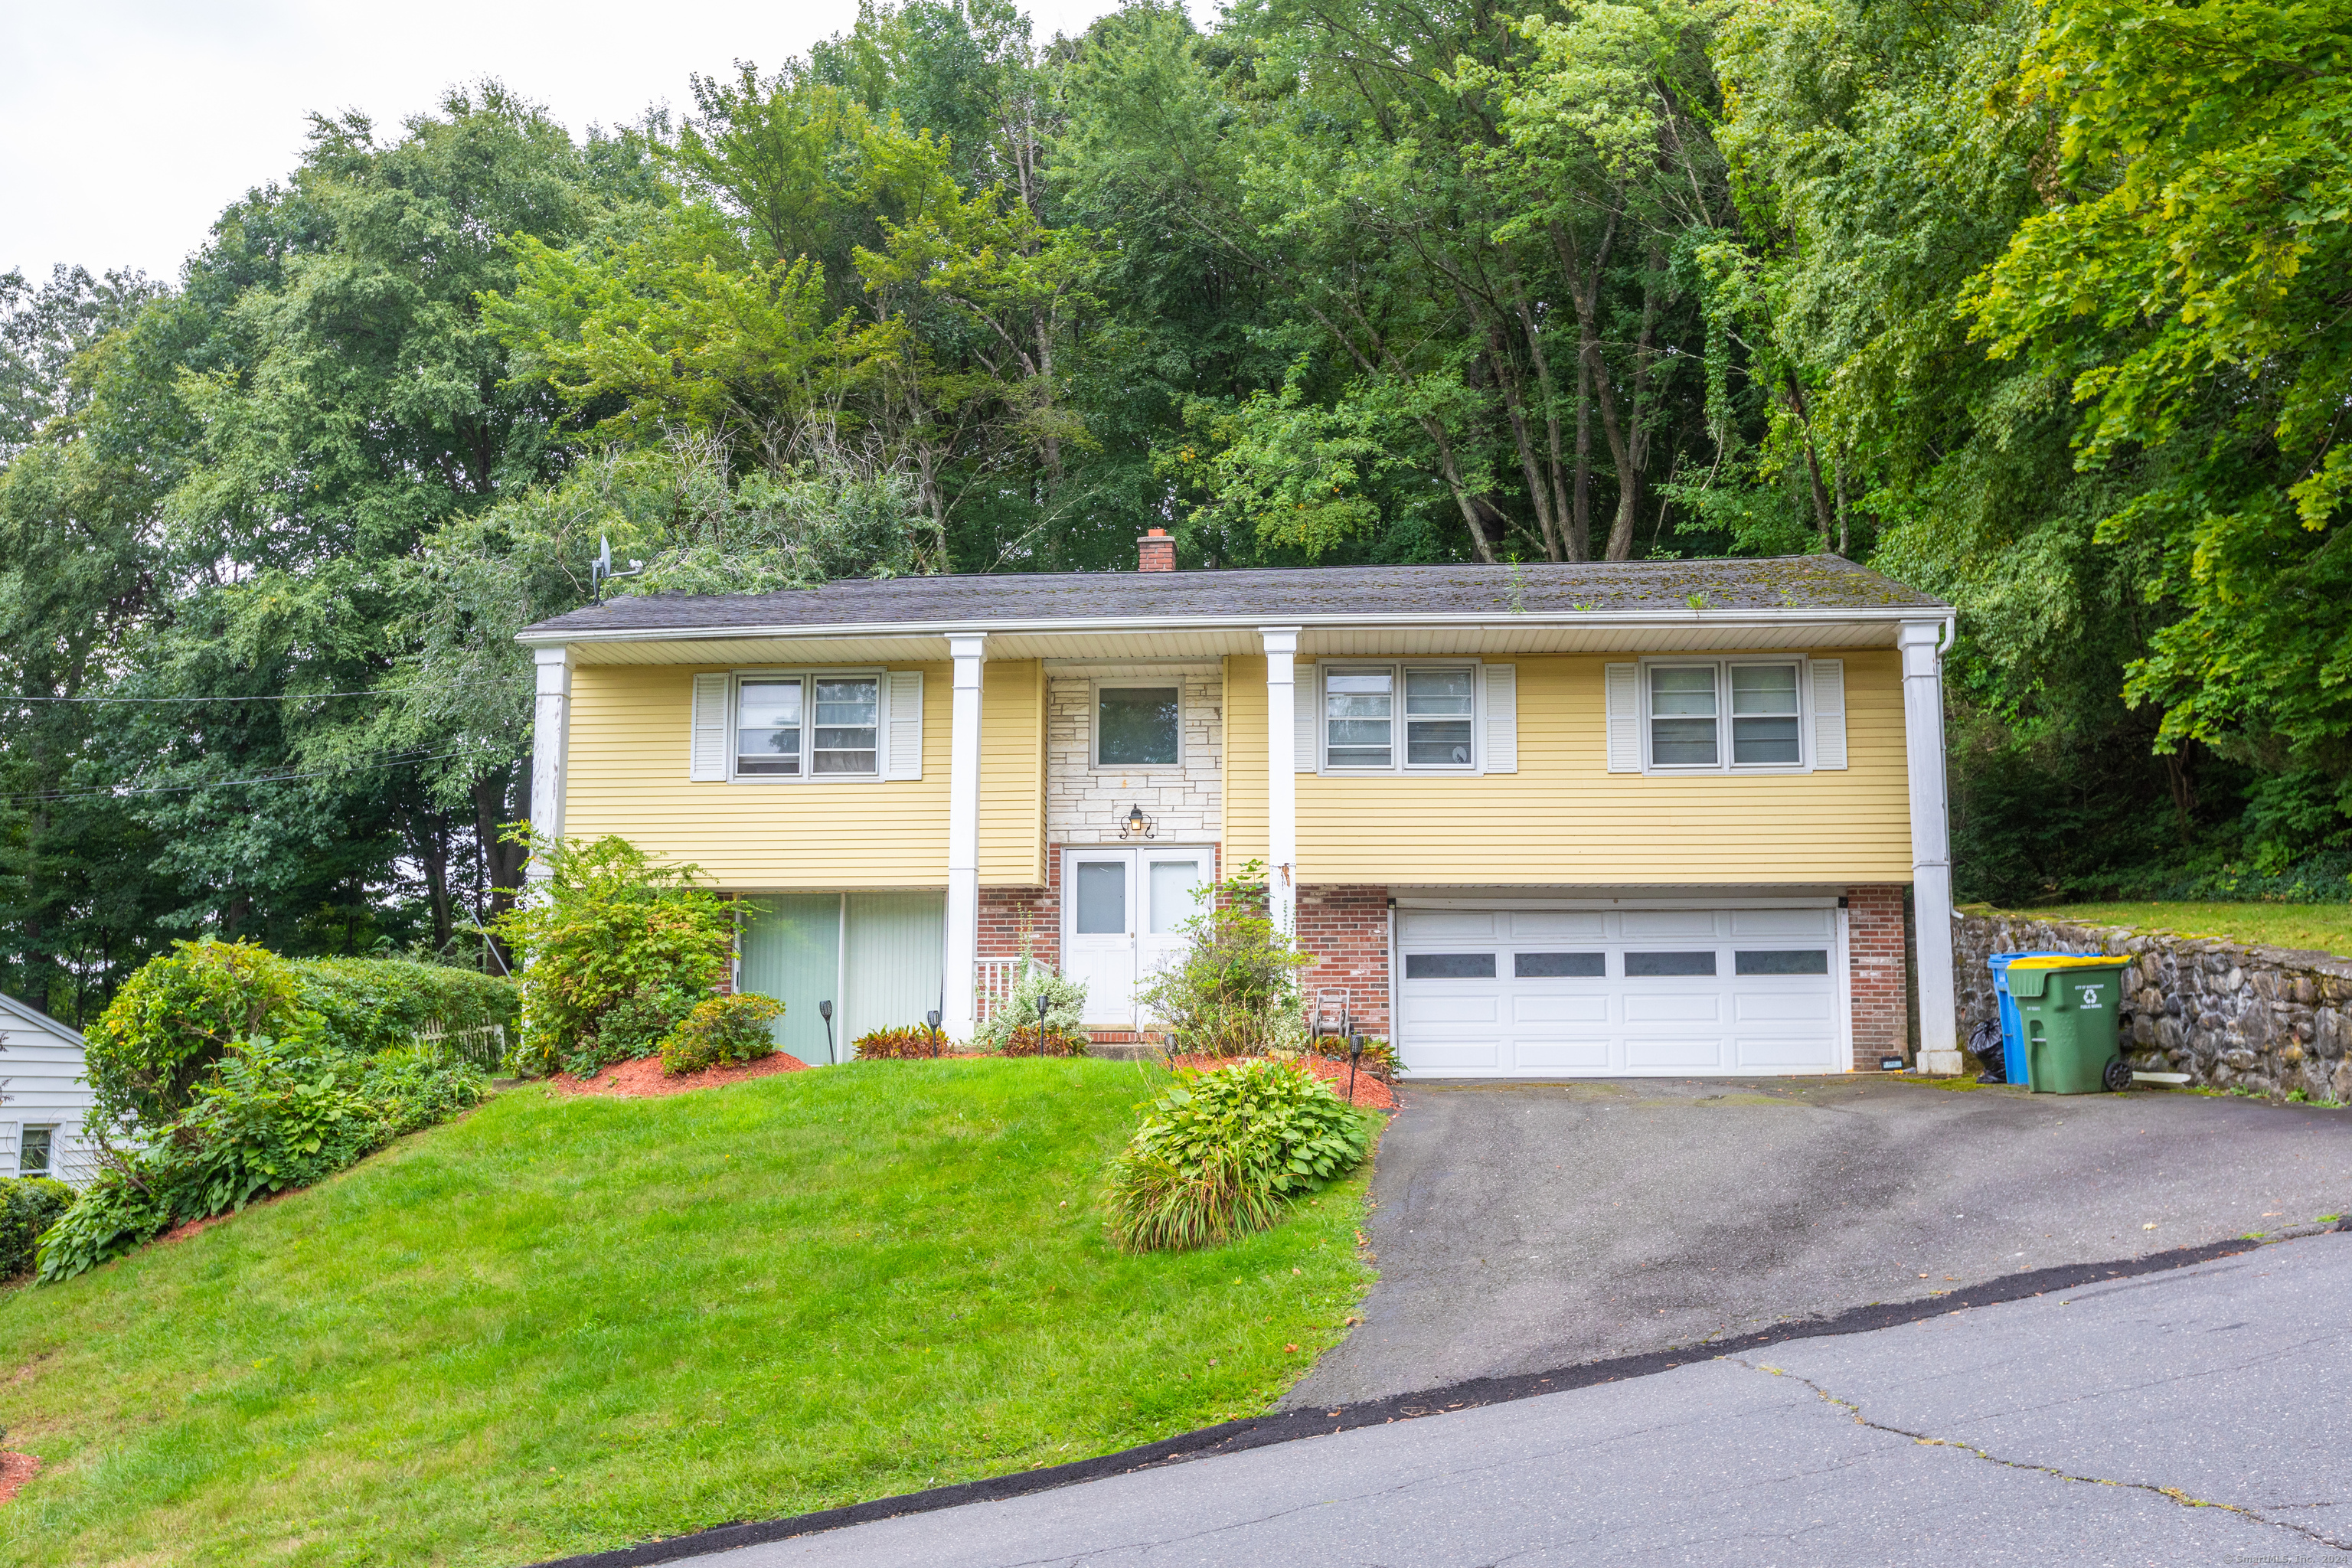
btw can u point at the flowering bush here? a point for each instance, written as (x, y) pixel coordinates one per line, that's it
(721, 1030)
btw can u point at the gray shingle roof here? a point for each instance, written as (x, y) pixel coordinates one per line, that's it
(1817, 583)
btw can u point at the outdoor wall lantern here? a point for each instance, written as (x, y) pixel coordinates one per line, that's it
(1135, 825)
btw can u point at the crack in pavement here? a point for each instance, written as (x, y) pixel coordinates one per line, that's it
(2170, 1494)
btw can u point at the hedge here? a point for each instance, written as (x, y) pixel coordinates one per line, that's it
(372, 1004)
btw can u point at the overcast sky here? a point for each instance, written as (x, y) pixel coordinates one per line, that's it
(126, 125)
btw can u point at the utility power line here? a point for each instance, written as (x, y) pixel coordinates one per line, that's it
(280, 696)
(391, 760)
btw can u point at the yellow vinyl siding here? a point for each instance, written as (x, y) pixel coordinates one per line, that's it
(630, 725)
(1013, 774)
(1245, 799)
(1564, 818)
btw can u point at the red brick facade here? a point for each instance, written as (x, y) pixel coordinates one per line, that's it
(1345, 929)
(1873, 936)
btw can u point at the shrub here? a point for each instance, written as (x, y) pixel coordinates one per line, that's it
(372, 1004)
(902, 1045)
(1066, 1007)
(178, 1016)
(28, 1205)
(273, 1116)
(632, 1027)
(610, 927)
(1218, 1154)
(721, 1030)
(1032, 1041)
(1234, 990)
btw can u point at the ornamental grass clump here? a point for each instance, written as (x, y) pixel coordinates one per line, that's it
(721, 1031)
(1220, 1154)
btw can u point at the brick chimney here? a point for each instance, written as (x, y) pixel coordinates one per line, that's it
(1155, 551)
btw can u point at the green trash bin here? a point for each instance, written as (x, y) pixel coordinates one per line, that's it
(2068, 1008)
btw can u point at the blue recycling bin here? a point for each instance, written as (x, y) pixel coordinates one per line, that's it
(2013, 1026)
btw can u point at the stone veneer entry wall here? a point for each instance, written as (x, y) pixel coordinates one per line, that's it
(1083, 805)
(2268, 1019)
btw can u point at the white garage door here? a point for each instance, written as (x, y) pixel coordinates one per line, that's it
(1592, 994)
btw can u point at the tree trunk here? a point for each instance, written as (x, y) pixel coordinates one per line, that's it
(1821, 515)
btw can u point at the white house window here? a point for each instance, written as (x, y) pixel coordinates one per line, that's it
(1764, 717)
(768, 727)
(1439, 705)
(1682, 716)
(1722, 715)
(846, 711)
(1361, 717)
(1137, 726)
(791, 726)
(33, 1151)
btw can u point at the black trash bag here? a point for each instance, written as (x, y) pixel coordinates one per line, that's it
(1986, 1042)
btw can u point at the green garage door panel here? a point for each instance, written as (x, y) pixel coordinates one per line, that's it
(792, 952)
(897, 950)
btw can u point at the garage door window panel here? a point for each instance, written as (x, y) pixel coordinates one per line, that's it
(1449, 966)
(1781, 961)
(1558, 965)
(1642, 966)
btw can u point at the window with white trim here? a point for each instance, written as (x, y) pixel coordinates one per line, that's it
(1717, 714)
(797, 726)
(1384, 717)
(35, 1150)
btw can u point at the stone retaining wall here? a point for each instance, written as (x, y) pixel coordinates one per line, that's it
(2268, 1019)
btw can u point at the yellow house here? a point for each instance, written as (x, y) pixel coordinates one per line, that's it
(1643, 817)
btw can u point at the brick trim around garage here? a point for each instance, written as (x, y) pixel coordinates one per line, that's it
(1880, 973)
(1345, 929)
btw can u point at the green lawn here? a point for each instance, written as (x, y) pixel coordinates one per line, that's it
(2325, 927)
(561, 1325)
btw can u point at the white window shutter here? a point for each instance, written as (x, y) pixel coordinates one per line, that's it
(1829, 712)
(1623, 683)
(706, 759)
(1502, 737)
(1306, 719)
(906, 742)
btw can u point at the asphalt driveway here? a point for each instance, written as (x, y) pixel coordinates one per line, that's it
(1523, 1226)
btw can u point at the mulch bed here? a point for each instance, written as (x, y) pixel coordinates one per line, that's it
(643, 1079)
(1371, 1091)
(180, 1233)
(16, 1469)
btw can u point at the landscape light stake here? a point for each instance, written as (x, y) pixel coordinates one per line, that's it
(932, 1018)
(1354, 1055)
(1045, 1000)
(824, 1011)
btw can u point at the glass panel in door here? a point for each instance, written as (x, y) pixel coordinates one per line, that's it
(1099, 934)
(1172, 878)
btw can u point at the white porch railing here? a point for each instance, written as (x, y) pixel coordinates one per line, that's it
(991, 985)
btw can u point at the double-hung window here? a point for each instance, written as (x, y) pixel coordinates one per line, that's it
(795, 726)
(1725, 714)
(1384, 716)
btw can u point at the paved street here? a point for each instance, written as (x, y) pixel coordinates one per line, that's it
(2084, 1428)
(1524, 1227)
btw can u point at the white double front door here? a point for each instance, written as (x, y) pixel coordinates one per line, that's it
(1122, 917)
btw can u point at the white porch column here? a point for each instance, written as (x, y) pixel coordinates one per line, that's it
(550, 747)
(1931, 843)
(963, 837)
(1281, 776)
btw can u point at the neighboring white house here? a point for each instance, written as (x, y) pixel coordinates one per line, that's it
(44, 1097)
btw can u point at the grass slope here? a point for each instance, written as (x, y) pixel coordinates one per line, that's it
(2325, 927)
(559, 1325)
